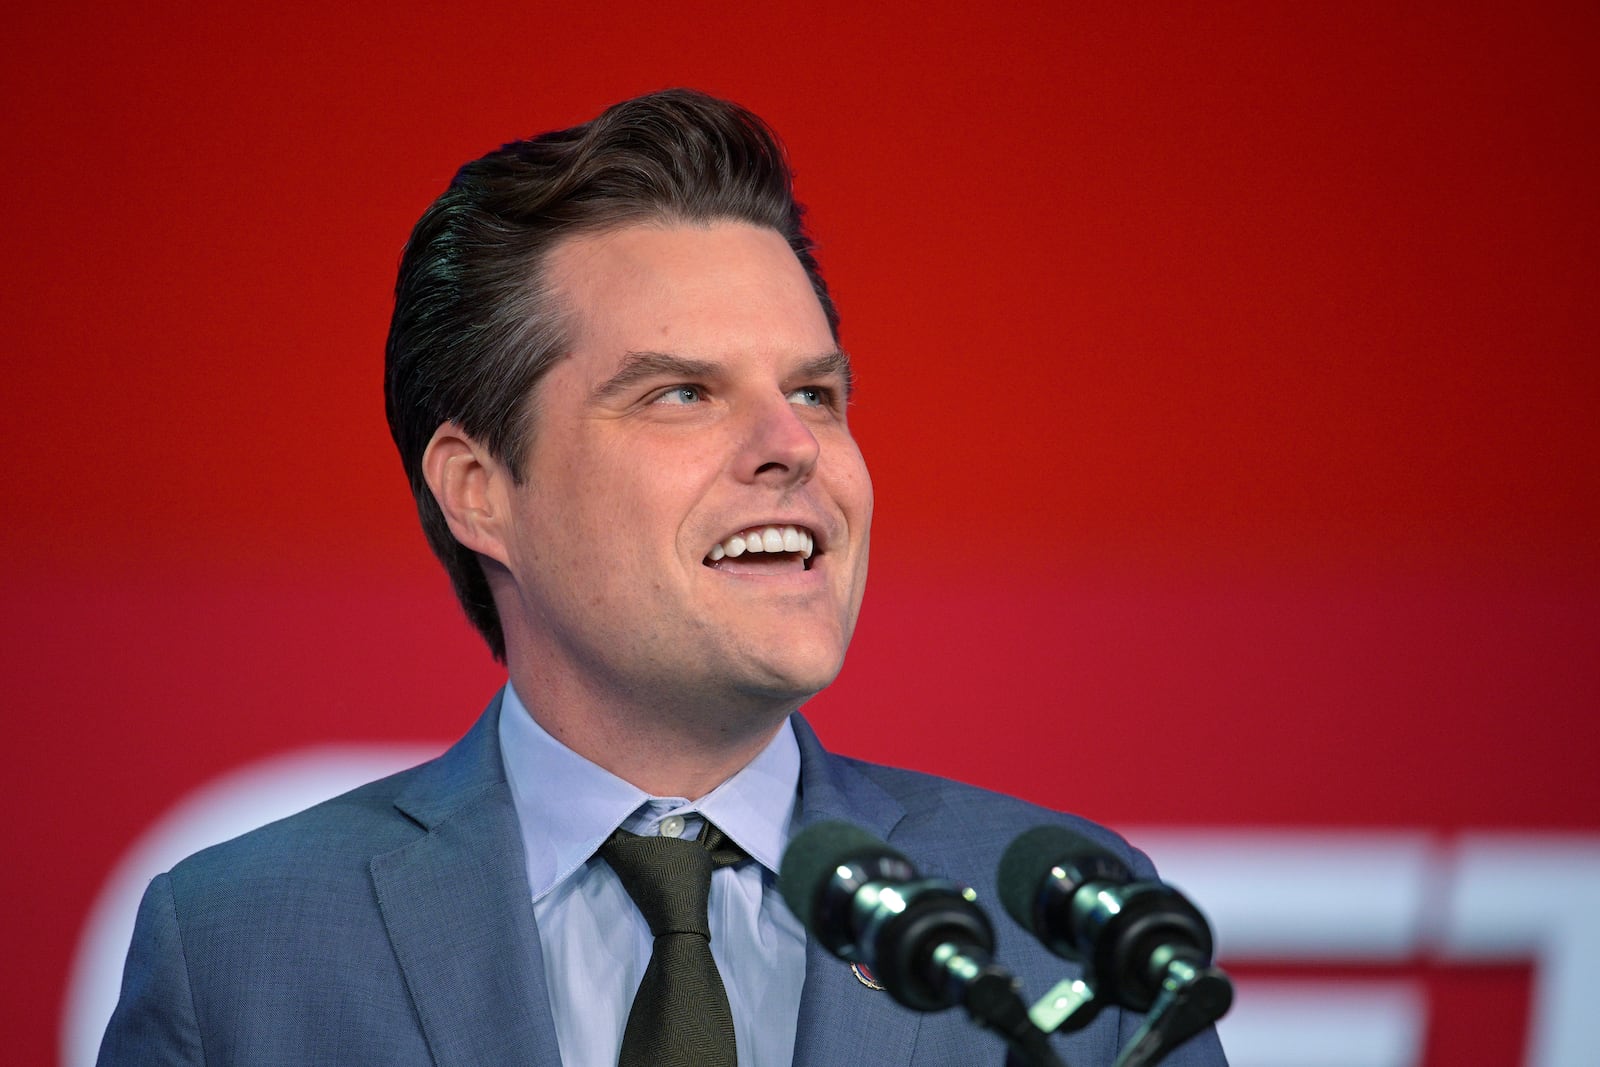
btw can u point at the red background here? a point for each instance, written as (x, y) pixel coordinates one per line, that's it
(1228, 376)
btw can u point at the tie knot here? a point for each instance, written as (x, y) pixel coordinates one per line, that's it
(669, 878)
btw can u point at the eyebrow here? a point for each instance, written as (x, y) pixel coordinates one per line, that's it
(642, 366)
(830, 364)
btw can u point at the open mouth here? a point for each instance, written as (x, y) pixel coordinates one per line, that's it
(765, 547)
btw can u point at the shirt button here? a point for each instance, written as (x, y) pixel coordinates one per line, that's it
(671, 826)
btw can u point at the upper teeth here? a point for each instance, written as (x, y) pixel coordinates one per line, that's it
(767, 539)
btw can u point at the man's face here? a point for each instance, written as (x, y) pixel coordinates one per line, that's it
(702, 407)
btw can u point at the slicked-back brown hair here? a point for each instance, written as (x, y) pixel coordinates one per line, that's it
(475, 326)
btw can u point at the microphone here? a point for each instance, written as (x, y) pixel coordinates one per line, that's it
(865, 902)
(924, 939)
(1082, 903)
(1143, 945)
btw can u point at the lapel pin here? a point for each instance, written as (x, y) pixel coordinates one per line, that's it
(865, 977)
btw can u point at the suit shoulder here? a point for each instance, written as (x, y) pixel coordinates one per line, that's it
(963, 816)
(338, 835)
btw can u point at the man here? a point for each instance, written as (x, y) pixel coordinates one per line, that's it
(614, 379)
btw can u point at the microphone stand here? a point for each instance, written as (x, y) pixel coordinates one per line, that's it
(1190, 999)
(991, 999)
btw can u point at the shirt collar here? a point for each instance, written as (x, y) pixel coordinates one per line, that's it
(567, 806)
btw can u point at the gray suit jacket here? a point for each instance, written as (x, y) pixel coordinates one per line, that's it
(393, 925)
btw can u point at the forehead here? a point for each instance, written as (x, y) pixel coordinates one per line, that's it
(694, 288)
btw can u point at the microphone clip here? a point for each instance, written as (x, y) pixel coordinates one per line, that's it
(1190, 999)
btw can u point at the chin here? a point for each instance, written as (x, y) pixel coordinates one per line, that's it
(774, 660)
(792, 682)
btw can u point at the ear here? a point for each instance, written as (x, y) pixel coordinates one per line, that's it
(468, 484)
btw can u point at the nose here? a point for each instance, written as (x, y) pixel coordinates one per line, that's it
(778, 446)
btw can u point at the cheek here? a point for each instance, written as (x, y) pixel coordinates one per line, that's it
(865, 490)
(646, 510)
(852, 485)
(635, 496)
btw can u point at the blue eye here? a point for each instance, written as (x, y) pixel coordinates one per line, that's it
(810, 395)
(681, 394)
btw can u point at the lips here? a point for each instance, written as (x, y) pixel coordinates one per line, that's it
(774, 541)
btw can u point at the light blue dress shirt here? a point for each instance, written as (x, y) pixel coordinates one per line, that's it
(596, 944)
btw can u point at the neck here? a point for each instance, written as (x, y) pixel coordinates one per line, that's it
(667, 750)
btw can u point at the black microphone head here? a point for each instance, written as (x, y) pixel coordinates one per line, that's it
(816, 853)
(865, 903)
(1043, 867)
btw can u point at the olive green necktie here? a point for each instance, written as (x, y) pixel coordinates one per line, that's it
(680, 1015)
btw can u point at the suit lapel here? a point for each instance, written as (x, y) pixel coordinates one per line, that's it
(456, 905)
(458, 912)
(842, 1020)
